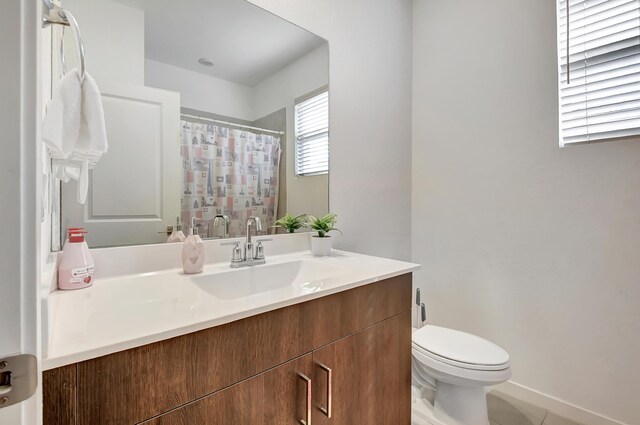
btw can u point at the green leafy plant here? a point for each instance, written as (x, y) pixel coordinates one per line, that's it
(323, 225)
(292, 222)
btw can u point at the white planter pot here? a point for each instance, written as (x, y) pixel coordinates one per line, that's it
(321, 247)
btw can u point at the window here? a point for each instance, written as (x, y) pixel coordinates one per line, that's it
(600, 79)
(312, 133)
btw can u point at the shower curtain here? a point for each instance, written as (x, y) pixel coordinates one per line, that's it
(231, 172)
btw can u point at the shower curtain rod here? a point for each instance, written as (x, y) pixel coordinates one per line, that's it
(231, 124)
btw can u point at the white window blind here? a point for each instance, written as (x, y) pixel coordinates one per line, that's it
(600, 79)
(312, 135)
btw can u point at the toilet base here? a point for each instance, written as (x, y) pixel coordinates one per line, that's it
(453, 405)
(422, 412)
(458, 405)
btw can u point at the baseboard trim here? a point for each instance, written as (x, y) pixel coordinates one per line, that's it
(555, 405)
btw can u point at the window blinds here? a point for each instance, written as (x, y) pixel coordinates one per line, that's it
(600, 80)
(312, 135)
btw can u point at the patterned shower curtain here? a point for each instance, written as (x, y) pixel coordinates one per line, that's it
(230, 172)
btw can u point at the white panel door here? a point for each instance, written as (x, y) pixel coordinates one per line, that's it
(134, 190)
(20, 173)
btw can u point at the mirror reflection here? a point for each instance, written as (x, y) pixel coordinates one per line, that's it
(215, 109)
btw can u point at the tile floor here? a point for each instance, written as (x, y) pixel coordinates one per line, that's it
(506, 410)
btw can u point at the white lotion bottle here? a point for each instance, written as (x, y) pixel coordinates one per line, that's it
(192, 251)
(177, 235)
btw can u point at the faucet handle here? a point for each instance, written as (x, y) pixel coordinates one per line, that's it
(259, 252)
(236, 243)
(260, 249)
(236, 255)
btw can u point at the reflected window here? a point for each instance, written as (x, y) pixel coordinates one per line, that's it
(312, 133)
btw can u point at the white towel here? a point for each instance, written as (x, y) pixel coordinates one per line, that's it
(61, 124)
(74, 129)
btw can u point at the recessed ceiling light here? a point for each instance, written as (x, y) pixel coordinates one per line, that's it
(205, 62)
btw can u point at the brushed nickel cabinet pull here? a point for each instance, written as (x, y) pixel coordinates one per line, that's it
(307, 382)
(327, 411)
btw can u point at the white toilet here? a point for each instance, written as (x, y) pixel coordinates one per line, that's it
(457, 367)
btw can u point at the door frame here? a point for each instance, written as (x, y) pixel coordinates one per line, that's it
(20, 188)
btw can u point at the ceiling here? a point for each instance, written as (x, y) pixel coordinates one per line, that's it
(246, 43)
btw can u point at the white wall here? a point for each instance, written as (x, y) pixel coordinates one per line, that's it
(202, 92)
(370, 118)
(309, 194)
(113, 36)
(531, 246)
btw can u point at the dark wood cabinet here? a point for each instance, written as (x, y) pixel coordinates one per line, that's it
(366, 376)
(250, 371)
(59, 390)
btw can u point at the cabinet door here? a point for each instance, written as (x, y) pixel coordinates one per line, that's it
(367, 376)
(280, 396)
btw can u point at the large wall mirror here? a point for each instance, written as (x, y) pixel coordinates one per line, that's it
(215, 109)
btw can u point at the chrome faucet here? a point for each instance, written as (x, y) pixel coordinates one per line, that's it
(248, 246)
(251, 256)
(217, 221)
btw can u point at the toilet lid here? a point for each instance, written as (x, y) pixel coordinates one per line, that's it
(459, 346)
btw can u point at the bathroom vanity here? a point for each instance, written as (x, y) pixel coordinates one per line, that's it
(331, 350)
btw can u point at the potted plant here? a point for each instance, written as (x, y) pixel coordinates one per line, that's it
(321, 243)
(291, 222)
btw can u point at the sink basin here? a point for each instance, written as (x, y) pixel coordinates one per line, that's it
(299, 276)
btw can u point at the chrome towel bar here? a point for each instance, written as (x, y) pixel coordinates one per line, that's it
(55, 15)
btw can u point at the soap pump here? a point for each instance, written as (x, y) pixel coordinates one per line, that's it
(177, 235)
(193, 251)
(76, 266)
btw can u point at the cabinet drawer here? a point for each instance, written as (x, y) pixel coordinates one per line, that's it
(132, 386)
(275, 397)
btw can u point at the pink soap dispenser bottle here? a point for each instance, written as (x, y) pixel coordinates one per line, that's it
(75, 270)
(177, 235)
(192, 251)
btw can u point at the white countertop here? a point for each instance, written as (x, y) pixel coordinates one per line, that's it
(129, 311)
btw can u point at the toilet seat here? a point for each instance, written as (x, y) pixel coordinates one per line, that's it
(459, 349)
(453, 363)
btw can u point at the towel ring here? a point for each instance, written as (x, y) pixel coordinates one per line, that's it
(80, 46)
(54, 15)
